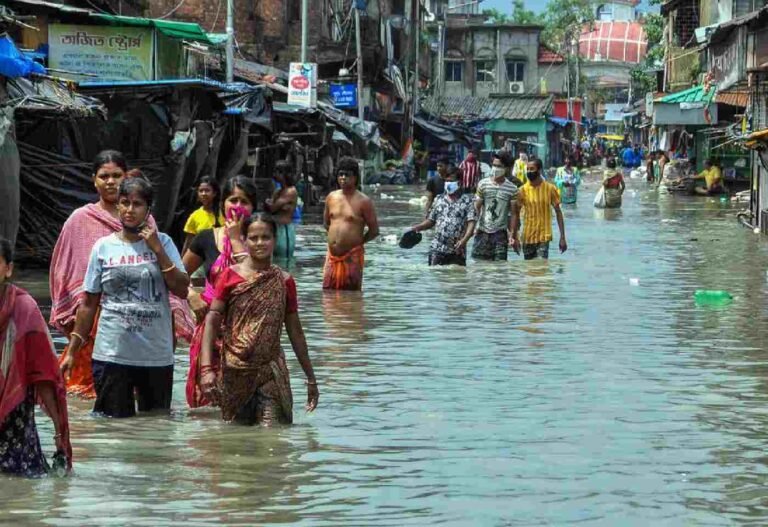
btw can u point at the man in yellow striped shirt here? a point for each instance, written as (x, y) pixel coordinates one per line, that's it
(536, 200)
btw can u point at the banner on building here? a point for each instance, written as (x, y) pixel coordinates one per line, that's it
(111, 53)
(344, 95)
(726, 60)
(302, 84)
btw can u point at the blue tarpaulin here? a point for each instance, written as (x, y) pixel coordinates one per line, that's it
(13, 64)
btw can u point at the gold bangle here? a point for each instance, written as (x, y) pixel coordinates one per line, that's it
(171, 268)
(78, 335)
(310, 383)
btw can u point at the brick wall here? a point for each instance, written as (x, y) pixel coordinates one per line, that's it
(268, 31)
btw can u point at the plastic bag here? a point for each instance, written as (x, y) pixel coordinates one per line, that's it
(600, 198)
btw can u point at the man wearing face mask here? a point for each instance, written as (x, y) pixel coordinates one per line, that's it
(453, 217)
(536, 200)
(493, 203)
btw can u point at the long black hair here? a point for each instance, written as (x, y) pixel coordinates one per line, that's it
(211, 182)
(109, 156)
(6, 250)
(244, 184)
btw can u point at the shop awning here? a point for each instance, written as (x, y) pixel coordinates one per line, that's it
(169, 28)
(733, 98)
(611, 137)
(442, 133)
(694, 95)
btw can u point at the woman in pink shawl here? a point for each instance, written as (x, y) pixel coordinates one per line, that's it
(70, 261)
(28, 372)
(216, 250)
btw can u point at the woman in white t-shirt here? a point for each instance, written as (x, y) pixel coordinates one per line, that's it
(129, 276)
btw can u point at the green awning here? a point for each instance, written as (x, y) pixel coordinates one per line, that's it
(169, 28)
(691, 95)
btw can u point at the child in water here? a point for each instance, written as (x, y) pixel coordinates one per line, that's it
(208, 215)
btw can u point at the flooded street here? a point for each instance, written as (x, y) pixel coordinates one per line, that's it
(501, 394)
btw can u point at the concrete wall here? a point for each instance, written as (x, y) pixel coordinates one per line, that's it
(554, 75)
(499, 45)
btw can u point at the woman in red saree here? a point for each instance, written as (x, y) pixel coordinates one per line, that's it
(252, 303)
(69, 262)
(216, 250)
(28, 372)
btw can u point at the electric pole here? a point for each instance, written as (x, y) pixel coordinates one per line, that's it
(230, 41)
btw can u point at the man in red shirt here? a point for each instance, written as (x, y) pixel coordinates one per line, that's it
(470, 173)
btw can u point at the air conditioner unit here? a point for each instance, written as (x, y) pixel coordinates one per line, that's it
(518, 88)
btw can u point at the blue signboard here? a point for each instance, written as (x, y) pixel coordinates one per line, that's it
(344, 95)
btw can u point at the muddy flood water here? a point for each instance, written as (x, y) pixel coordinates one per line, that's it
(588, 389)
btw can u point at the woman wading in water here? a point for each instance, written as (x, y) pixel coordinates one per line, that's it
(216, 250)
(252, 302)
(28, 373)
(69, 262)
(129, 278)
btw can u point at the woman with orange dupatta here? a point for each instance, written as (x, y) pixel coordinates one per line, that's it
(252, 302)
(28, 372)
(69, 262)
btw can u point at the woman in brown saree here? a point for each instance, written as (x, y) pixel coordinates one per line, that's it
(252, 302)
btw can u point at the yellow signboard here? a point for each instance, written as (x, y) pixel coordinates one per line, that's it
(111, 53)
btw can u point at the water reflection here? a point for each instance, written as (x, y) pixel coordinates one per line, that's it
(589, 388)
(345, 318)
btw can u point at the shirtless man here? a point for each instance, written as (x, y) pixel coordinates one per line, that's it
(347, 214)
(282, 206)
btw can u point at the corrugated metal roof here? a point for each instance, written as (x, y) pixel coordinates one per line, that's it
(515, 107)
(723, 30)
(695, 94)
(733, 98)
(51, 5)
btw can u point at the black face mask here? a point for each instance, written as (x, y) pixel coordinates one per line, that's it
(533, 175)
(137, 229)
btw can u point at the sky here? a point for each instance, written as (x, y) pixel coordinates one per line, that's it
(535, 5)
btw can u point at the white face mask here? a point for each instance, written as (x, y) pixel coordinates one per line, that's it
(498, 172)
(451, 187)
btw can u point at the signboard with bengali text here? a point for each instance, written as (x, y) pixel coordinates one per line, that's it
(111, 53)
(302, 84)
(344, 95)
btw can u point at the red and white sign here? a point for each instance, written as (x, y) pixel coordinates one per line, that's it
(302, 84)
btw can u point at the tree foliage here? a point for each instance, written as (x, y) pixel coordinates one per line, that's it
(564, 21)
(521, 15)
(643, 77)
(496, 16)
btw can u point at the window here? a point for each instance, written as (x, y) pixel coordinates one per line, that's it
(515, 71)
(486, 71)
(605, 12)
(453, 71)
(744, 7)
